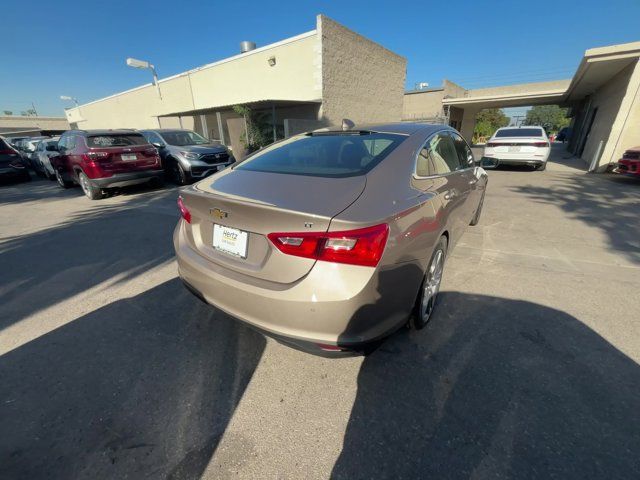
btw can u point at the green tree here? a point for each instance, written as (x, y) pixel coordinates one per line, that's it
(551, 117)
(488, 121)
(259, 132)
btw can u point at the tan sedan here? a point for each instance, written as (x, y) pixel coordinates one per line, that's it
(331, 240)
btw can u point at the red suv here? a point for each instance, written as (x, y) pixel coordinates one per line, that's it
(101, 159)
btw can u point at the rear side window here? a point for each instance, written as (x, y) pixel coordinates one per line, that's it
(464, 152)
(519, 132)
(325, 154)
(116, 140)
(442, 155)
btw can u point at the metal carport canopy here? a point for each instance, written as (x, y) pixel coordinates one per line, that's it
(522, 99)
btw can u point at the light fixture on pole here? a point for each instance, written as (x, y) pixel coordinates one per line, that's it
(71, 99)
(135, 63)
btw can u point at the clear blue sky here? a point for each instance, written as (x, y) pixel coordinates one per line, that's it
(79, 48)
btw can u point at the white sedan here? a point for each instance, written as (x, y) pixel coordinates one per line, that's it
(517, 146)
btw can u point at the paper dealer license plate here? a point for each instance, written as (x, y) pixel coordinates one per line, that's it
(230, 240)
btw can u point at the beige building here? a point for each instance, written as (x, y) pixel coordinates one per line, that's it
(21, 125)
(310, 80)
(603, 99)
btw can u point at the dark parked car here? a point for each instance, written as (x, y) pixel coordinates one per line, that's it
(187, 156)
(11, 166)
(564, 135)
(101, 159)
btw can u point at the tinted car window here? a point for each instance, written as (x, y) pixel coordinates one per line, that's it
(115, 140)
(152, 137)
(443, 155)
(183, 138)
(422, 162)
(324, 155)
(519, 132)
(465, 155)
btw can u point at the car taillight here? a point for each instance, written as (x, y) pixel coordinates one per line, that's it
(540, 144)
(363, 246)
(184, 211)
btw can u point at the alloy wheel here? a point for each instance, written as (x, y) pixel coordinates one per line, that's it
(431, 286)
(85, 186)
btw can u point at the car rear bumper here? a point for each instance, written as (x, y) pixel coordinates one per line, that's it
(124, 179)
(492, 158)
(494, 161)
(333, 305)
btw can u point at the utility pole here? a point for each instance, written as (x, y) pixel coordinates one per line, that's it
(517, 119)
(34, 109)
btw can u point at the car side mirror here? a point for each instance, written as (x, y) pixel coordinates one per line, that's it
(157, 145)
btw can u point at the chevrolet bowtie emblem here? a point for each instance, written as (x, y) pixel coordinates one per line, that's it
(216, 212)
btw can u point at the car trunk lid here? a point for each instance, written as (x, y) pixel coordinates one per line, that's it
(260, 203)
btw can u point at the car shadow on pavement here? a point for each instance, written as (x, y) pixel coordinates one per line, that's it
(36, 189)
(106, 242)
(141, 388)
(609, 202)
(42, 189)
(494, 388)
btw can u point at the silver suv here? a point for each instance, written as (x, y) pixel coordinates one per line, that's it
(187, 156)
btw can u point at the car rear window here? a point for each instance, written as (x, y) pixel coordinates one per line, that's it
(324, 154)
(117, 140)
(519, 132)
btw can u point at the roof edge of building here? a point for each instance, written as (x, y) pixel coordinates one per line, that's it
(205, 67)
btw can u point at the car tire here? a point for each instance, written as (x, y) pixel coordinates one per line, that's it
(61, 181)
(93, 192)
(476, 218)
(430, 286)
(542, 167)
(178, 173)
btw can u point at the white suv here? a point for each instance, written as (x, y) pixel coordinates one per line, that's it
(517, 146)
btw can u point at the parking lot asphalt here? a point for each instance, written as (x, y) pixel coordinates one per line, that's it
(109, 368)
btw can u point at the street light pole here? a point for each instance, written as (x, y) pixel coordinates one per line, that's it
(135, 63)
(66, 97)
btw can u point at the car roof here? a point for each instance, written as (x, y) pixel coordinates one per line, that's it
(120, 131)
(166, 130)
(402, 128)
(520, 127)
